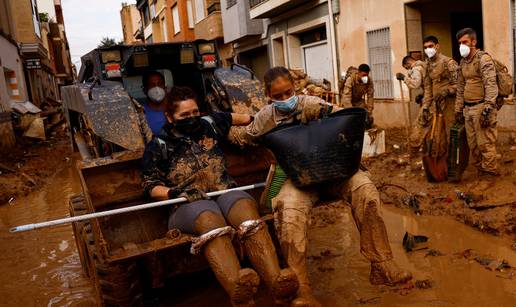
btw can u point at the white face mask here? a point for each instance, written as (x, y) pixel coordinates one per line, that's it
(430, 52)
(364, 79)
(464, 50)
(156, 94)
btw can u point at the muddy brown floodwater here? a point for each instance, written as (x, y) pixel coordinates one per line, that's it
(41, 268)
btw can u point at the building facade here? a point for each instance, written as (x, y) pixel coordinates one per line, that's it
(298, 34)
(381, 33)
(208, 25)
(245, 36)
(34, 54)
(163, 21)
(12, 78)
(131, 23)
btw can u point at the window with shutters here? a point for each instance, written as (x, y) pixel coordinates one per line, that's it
(175, 19)
(189, 12)
(199, 10)
(379, 47)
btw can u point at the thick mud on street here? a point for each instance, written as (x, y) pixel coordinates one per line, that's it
(41, 268)
(340, 275)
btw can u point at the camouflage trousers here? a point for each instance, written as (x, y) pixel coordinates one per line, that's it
(419, 131)
(292, 208)
(481, 141)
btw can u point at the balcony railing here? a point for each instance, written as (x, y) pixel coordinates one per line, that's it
(253, 3)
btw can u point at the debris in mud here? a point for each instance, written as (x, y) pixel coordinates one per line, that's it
(325, 253)
(412, 202)
(373, 300)
(325, 269)
(485, 206)
(414, 242)
(487, 261)
(424, 284)
(434, 253)
(403, 289)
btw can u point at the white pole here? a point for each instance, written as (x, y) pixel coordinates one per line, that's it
(124, 210)
(335, 83)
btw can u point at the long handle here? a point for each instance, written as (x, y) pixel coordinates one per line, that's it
(434, 122)
(404, 108)
(124, 210)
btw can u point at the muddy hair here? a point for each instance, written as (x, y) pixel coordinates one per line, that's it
(275, 73)
(467, 31)
(176, 95)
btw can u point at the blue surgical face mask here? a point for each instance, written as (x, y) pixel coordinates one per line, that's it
(287, 105)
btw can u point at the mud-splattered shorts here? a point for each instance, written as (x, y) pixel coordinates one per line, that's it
(184, 216)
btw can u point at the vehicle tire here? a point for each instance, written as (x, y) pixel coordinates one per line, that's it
(115, 284)
(77, 206)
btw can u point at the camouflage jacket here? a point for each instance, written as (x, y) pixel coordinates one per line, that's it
(358, 94)
(416, 75)
(181, 162)
(441, 75)
(477, 80)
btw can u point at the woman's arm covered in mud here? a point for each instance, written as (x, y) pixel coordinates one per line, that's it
(153, 177)
(241, 119)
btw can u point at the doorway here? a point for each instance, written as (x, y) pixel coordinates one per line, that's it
(460, 20)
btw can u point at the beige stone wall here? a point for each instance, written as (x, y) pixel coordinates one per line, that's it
(358, 17)
(210, 27)
(22, 19)
(130, 17)
(497, 17)
(407, 27)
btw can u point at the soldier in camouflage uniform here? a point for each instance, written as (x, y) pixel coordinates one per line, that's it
(359, 91)
(477, 92)
(292, 205)
(185, 160)
(414, 80)
(440, 87)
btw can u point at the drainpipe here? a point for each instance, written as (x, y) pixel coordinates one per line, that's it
(333, 41)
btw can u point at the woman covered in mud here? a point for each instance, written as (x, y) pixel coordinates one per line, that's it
(292, 205)
(185, 160)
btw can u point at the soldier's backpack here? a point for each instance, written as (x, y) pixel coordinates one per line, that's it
(503, 77)
(352, 70)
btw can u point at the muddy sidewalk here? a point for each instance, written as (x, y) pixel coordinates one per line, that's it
(488, 205)
(28, 166)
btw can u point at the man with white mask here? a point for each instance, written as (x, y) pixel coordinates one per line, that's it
(440, 87)
(359, 91)
(155, 89)
(476, 104)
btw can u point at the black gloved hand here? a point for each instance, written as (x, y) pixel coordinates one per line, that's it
(441, 95)
(193, 194)
(485, 116)
(419, 98)
(426, 111)
(459, 118)
(400, 76)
